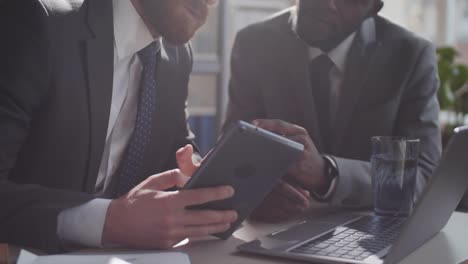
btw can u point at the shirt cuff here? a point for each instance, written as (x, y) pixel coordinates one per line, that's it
(83, 225)
(326, 197)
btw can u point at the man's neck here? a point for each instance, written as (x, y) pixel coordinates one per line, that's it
(329, 45)
(137, 5)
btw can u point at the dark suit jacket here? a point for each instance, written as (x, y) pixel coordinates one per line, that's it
(56, 80)
(389, 89)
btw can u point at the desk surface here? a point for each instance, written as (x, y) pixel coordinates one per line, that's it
(448, 247)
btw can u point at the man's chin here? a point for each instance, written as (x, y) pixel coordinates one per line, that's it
(178, 39)
(180, 34)
(312, 41)
(326, 43)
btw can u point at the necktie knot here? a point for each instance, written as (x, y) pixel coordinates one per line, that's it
(322, 64)
(148, 54)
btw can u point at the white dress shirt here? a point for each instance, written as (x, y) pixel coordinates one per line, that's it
(339, 57)
(84, 224)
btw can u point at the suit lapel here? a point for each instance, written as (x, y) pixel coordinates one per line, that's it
(99, 58)
(359, 67)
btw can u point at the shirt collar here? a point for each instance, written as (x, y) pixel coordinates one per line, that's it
(338, 55)
(130, 32)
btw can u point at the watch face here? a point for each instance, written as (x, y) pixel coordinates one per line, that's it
(330, 169)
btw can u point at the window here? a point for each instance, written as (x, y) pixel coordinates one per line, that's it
(205, 44)
(420, 16)
(204, 82)
(462, 21)
(445, 22)
(461, 31)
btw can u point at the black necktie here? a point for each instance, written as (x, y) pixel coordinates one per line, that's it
(319, 70)
(127, 176)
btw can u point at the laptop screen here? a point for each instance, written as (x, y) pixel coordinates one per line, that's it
(440, 199)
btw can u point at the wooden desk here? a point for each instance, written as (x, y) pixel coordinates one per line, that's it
(4, 254)
(448, 247)
(8, 254)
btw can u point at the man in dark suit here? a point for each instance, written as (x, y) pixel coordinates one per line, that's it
(331, 74)
(92, 103)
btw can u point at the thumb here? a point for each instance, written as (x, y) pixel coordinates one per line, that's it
(185, 162)
(165, 180)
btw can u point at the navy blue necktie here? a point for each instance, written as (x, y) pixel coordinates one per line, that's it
(319, 70)
(127, 176)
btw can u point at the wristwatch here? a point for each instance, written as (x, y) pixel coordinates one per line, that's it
(331, 168)
(331, 172)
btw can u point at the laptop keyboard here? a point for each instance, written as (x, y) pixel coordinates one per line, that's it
(358, 240)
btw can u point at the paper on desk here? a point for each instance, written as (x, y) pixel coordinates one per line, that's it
(143, 258)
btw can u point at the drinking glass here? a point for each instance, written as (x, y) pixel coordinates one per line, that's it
(394, 167)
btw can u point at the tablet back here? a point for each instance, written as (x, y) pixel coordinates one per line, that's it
(250, 159)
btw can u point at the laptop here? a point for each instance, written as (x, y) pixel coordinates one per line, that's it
(352, 238)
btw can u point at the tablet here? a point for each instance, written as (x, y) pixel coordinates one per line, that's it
(251, 160)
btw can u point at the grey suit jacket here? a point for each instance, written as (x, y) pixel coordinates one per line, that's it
(56, 74)
(389, 89)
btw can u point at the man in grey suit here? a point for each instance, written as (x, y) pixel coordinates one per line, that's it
(331, 74)
(92, 112)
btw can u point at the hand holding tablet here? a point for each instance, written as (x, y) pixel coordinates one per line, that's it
(251, 160)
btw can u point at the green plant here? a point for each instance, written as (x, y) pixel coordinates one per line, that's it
(453, 92)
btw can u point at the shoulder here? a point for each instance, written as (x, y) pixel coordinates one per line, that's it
(276, 26)
(38, 16)
(62, 7)
(22, 11)
(388, 31)
(25, 24)
(42, 7)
